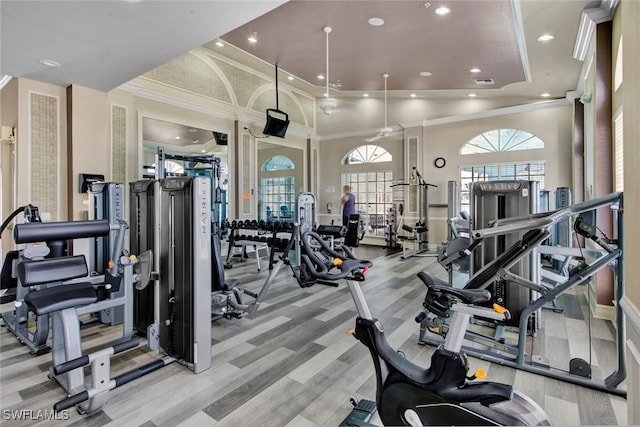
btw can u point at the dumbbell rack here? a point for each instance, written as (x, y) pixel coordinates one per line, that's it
(262, 235)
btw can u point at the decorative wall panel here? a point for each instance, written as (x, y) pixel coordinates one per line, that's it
(118, 144)
(307, 108)
(244, 83)
(188, 72)
(246, 174)
(43, 125)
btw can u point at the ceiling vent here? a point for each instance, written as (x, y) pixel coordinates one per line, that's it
(484, 81)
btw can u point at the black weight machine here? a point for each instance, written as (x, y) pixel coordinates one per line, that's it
(605, 253)
(148, 205)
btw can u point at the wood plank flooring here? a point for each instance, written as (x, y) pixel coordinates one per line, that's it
(292, 364)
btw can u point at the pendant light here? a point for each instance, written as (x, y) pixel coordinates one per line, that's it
(327, 105)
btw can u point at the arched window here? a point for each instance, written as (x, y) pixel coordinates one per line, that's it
(277, 163)
(501, 140)
(367, 154)
(277, 193)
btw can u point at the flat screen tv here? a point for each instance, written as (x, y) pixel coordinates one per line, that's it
(277, 123)
(220, 138)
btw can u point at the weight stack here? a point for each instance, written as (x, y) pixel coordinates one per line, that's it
(141, 238)
(495, 200)
(185, 270)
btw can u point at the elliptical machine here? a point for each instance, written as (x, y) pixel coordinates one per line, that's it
(407, 394)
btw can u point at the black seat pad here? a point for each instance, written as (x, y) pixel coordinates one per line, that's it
(431, 280)
(57, 298)
(467, 296)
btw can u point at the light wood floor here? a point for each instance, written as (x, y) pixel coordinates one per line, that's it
(292, 364)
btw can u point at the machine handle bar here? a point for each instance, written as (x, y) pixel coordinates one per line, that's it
(70, 401)
(86, 359)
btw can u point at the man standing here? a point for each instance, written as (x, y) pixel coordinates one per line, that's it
(348, 203)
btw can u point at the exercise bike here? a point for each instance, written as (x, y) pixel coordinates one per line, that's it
(408, 394)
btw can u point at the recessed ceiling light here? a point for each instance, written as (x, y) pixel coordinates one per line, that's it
(219, 44)
(320, 77)
(413, 95)
(425, 74)
(50, 63)
(325, 94)
(475, 70)
(366, 95)
(472, 95)
(546, 38)
(443, 10)
(290, 77)
(545, 95)
(177, 137)
(376, 22)
(204, 151)
(253, 38)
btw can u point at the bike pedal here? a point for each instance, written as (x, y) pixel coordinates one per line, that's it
(366, 406)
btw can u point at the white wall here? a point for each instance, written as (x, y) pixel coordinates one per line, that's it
(552, 125)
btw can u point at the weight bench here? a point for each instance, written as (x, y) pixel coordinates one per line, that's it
(61, 301)
(65, 302)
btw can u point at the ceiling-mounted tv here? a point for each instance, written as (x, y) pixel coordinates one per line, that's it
(277, 123)
(220, 138)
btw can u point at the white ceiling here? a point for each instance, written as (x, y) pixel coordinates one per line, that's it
(102, 44)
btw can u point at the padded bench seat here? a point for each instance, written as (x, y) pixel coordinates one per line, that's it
(48, 300)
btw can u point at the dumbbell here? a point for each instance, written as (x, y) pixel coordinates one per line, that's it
(234, 223)
(254, 224)
(262, 224)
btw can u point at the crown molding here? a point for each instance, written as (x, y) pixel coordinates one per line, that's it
(588, 21)
(140, 91)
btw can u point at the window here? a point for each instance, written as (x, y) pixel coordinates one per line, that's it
(278, 198)
(618, 153)
(277, 163)
(498, 140)
(531, 171)
(367, 154)
(373, 198)
(277, 190)
(617, 74)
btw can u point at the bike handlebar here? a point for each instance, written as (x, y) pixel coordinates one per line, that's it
(349, 265)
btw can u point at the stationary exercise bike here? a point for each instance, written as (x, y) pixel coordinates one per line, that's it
(407, 394)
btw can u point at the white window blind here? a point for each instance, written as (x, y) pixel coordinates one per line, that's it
(618, 157)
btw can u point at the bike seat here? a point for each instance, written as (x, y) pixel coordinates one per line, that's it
(429, 280)
(467, 296)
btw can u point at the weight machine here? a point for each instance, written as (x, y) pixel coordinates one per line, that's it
(418, 238)
(606, 253)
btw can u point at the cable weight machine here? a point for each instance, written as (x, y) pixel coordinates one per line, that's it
(418, 241)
